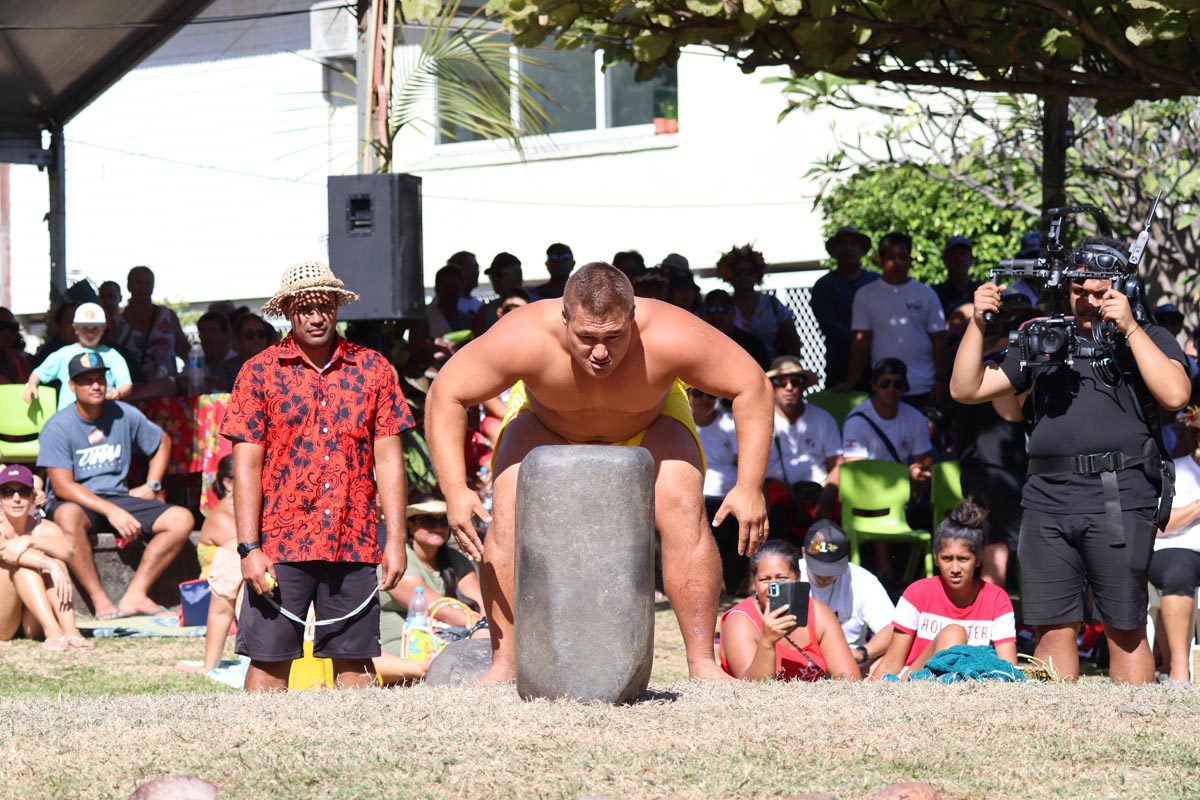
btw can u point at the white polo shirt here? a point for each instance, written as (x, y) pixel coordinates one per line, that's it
(719, 440)
(908, 432)
(859, 600)
(805, 444)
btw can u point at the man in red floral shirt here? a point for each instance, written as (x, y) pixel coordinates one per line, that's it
(309, 419)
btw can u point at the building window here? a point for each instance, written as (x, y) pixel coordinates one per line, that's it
(585, 97)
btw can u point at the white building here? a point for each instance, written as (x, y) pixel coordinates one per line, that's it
(208, 164)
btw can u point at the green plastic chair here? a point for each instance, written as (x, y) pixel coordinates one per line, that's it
(20, 424)
(946, 489)
(873, 495)
(838, 404)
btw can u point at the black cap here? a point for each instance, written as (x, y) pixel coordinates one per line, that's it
(87, 361)
(826, 549)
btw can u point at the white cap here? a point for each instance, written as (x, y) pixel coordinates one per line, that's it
(89, 314)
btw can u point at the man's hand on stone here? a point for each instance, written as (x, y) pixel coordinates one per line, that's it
(748, 507)
(462, 507)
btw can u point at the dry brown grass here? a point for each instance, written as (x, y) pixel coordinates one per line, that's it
(739, 741)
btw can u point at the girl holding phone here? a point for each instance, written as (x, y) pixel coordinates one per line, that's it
(758, 643)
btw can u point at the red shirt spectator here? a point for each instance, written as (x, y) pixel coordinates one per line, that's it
(318, 431)
(924, 609)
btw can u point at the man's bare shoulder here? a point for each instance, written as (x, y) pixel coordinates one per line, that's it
(667, 329)
(526, 329)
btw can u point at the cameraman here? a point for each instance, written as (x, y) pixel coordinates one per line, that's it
(1091, 495)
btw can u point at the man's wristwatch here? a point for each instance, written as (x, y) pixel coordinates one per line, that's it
(155, 486)
(244, 549)
(862, 652)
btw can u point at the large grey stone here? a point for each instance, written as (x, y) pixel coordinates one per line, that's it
(585, 573)
(460, 663)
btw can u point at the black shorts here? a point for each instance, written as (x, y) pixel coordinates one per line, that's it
(1175, 570)
(146, 512)
(1062, 555)
(1000, 491)
(335, 588)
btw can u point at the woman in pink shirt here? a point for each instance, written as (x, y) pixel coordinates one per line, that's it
(953, 607)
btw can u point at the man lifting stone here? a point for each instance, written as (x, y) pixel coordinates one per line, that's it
(602, 368)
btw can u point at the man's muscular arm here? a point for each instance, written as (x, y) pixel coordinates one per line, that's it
(478, 372)
(714, 363)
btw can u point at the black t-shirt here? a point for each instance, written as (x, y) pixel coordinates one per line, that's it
(983, 436)
(1077, 413)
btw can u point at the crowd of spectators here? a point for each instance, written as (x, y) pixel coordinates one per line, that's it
(886, 335)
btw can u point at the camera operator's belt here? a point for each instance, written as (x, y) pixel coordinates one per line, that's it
(1106, 466)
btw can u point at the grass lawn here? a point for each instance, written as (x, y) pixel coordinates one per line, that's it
(98, 724)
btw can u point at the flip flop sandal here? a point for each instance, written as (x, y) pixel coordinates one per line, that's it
(57, 644)
(79, 643)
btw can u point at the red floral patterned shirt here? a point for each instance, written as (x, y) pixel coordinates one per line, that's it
(318, 429)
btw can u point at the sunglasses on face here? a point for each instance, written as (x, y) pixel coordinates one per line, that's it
(714, 310)
(899, 383)
(429, 521)
(254, 333)
(795, 381)
(9, 491)
(560, 257)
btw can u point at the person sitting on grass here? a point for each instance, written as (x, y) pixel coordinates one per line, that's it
(90, 325)
(440, 571)
(35, 588)
(757, 644)
(224, 571)
(86, 451)
(953, 607)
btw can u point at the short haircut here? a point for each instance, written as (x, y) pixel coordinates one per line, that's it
(888, 366)
(631, 255)
(461, 258)
(717, 296)
(217, 317)
(249, 317)
(224, 470)
(897, 238)
(963, 524)
(450, 270)
(776, 548)
(517, 292)
(108, 283)
(599, 290)
(558, 247)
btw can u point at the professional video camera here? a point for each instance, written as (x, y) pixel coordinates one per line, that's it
(1052, 341)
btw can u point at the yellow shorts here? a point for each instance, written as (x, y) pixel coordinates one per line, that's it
(675, 406)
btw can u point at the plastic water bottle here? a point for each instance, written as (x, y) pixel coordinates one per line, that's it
(195, 370)
(415, 624)
(485, 496)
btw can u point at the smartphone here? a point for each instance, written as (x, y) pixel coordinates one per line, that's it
(793, 594)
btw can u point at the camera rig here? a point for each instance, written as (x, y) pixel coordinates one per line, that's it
(1052, 340)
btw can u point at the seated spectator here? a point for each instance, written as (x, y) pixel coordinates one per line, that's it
(216, 339)
(439, 570)
(35, 589)
(958, 257)
(855, 596)
(757, 644)
(559, 263)
(719, 442)
(505, 275)
(218, 535)
(1175, 565)
(882, 428)
(14, 361)
(953, 607)
(151, 333)
(759, 313)
(718, 311)
(62, 332)
(630, 262)
(806, 447)
(89, 330)
(86, 451)
(442, 314)
(251, 335)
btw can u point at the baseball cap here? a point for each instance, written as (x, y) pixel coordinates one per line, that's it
(958, 241)
(89, 314)
(17, 474)
(854, 233)
(86, 361)
(675, 264)
(1031, 244)
(826, 550)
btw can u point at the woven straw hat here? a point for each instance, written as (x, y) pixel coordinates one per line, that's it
(307, 276)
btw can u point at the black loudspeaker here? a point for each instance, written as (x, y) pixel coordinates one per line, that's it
(375, 244)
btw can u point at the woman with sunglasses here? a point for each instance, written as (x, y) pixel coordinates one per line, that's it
(439, 570)
(14, 361)
(35, 589)
(760, 313)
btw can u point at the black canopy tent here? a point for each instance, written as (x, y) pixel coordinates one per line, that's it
(56, 56)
